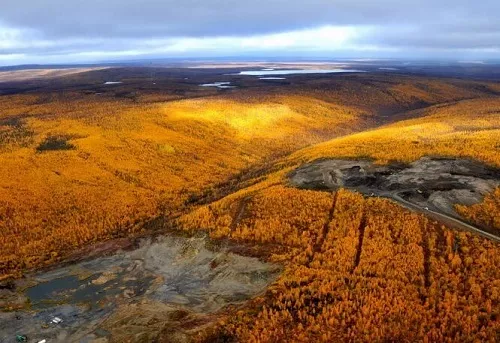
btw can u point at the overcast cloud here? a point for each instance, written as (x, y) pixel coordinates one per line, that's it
(61, 31)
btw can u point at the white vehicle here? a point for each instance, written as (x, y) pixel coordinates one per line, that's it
(56, 320)
(43, 341)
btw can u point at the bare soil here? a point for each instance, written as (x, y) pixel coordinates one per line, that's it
(430, 184)
(169, 284)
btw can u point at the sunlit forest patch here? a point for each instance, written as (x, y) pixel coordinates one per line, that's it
(77, 170)
(97, 170)
(365, 268)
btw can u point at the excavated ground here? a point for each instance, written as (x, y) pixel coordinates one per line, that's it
(171, 283)
(429, 184)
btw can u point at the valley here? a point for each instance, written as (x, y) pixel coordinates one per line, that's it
(256, 213)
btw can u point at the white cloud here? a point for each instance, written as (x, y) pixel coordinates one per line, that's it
(12, 57)
(325, 38)
(22, 46)
(9, 37)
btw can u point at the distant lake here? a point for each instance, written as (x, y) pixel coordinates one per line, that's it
(112, 82)
(297, 71)
(218, 85)
(272, 78)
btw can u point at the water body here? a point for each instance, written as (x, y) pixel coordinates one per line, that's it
(296, 71)
(112, 82)
(272, 78)
(222, 85)
(191, 274)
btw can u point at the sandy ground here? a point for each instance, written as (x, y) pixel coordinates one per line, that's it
(31, 74)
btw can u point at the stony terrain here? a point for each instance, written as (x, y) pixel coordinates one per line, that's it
(168, 279)
(432, 184)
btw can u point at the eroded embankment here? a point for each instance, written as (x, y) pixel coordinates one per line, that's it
(430, 185)
(162, 285)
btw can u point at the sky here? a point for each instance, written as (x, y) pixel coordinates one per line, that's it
(87, 31)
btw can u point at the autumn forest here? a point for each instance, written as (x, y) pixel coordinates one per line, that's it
(84, 167)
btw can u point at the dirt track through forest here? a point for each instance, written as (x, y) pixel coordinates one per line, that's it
(431, 186)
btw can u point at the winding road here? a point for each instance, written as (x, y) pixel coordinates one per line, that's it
(441, 217)
(406, 185)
